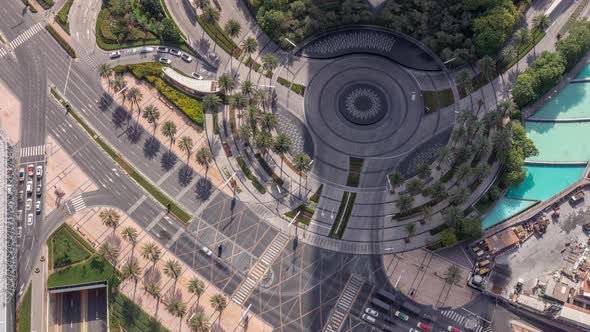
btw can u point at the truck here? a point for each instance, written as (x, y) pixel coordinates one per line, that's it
(578, 196)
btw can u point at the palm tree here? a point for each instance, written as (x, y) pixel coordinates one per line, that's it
(199, 322)
(135, 96)
(463, 171)
(151, 252)
(239, 102)
(268, 122)
(169, 131)
(541, 23)
(197, 287)
(405, 203)
(151, 114)
(423, 171)
(110, 250)
(249, 45)
(185, 144)
(426, 213)
(105, 71)
(270, 62)
(204, 158)
(438, 192)
(211, 102)
(218, 303)
(154, 290)
(201, 4)
(410, 231)
(232, 28)
(172, 269)
(453, 274)
(444, 155)
(481, 170)
(132, 270)
(210, 16)
(264, 142)
(226, 83)
(130, 235)
(247, 89)
(507, 107)
(302, 164)
(414, 186)
(522, 37)
(263, 98)
(119, 83)
(487, 67)
(396, 178)
(245, 133)
(110, 218)
(281, 145)
(491, 120)
(509, 54)
(502, 142)
(464, 81)
(460, 196)
(177, 308)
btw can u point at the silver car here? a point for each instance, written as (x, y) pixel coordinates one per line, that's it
(30, 219)
(38, 207)
(175, 52)
(29, 204)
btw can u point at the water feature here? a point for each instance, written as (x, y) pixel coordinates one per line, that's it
(571, 102)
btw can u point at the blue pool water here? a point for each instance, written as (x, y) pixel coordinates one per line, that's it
(571, 102)
(505, 208)
(585, 73)
(560, 141)
(544, 181)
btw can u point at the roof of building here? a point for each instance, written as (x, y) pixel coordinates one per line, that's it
(557, 290)
(576, 314)
(501, 240)
(201, 86)
(531, 302)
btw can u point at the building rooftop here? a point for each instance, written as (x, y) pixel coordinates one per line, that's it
(201, 86)
(501, 240)
(576, 314)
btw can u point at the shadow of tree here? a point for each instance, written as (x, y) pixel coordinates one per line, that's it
(203, 189)
(185, 175)
(168, 160)
(134, 134)
(119, 117)
(105, 101)
(151, 148)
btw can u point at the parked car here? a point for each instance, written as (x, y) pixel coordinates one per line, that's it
(186, 57)
(39, 171)
(368, 318)
(423, 326)
(165, 61)
(577, 197)
(38, 207)
(29, 187)
(175, 52)
(146, 49)
(20, 196)
(401, 315)
(21, 174)
(115, 54)
(19, 231)
(197, 76)
(453, 329)
(38, 191)
(30, 219)
(162, 49)
(372, 312)
(19, 215)
(31, 169)
(207, 251)
(29, 204)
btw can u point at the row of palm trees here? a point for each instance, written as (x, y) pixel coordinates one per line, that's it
(172, 268)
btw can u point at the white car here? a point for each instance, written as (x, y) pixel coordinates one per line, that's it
(165, 61)
(368, 318)
(39, 171)
(197, 76)
(146, 49)
(19, 215)
(38, 191)
(115, 54)
(30, 219)
(175, 52)
(162, 49)
(29, 203)
(186, 57)
(207, 251)
(372, 312)
(38, 207)
(29, 187)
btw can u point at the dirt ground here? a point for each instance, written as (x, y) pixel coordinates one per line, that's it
(88, 224)
(10, 108)
(420, 274)
(63, 175)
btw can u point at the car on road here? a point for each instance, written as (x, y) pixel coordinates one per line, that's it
(30, 219)
(39, 171)
(162, 49)
(19, 231)
(38, 207)
(21, 174)
(115, 54)
(19, 215)
(28, 204)
(401, 315)
(423, 326)
(38, 191)
(186, 57)
(29, 187)
(372, 312)
(164, 60)
(453, 329)
(175, 52)
(197, 76)
(31, 169)
(368, 318)
(207, 251)
(146, 49)
(20, 196)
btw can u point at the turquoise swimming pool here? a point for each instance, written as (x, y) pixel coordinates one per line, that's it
(560, 141)
(585, 73)
(572, 102)
(541, 182)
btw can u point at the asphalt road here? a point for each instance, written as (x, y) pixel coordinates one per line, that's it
(96, 310)
(70, 311)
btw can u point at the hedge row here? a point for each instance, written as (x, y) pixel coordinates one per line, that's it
(61, 41)
(297, 88)
(250, 176)
(220, 37)
(277, 179)
(62, 16)
(31, 8)
(46, 4)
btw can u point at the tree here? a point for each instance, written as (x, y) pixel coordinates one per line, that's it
(218, 302)
(249, 46)
(541, 22)
(270, 62)
(232, 28)
(226, 83)
(110, 250)
(204, 158)
(454, 217)
(130, 235)
(396, 178)
(460, 196)
(154, 290)
(210, 16)
(525, 89)
(211, 102)
(185, 144)
(438, 191)
(507, 107)
(410, 230)
(463, 171)
(522, 37)
(172, 269)
(464, 81)
(197, 287)
(168, 31)
(414, 186)
(423, 171)
(268, 122)
(444, 155)
(502, 140)
(405, 203)
(245, 133)
(281, 146)
(247, 89)
(427, 213)
(169, 131)
(201, 4)
(487, 67)
(239, 102)
(105, 71)
(119, 83)
(110, 218)
(135, 96)
(132, 270)
(448, 238)
(151, 114)
(199, 322)
(151, 252)
(509, 54)
(176, 306)
(264, 142)
(453, 274)
(302, 164)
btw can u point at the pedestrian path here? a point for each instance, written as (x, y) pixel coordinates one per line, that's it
(31, 151)
(74, 205)
(86, 58)
(260, 268)
(3, 52)
(23, 37)
(345, 301)
(460, 319)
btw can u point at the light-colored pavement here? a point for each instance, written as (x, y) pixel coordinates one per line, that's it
(39, 295)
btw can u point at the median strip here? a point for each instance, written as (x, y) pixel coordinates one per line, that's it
(180, 214)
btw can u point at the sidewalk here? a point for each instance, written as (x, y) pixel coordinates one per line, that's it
(39, 295)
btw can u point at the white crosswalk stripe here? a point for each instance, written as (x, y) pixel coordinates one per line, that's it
(75, 205)
(479, 328)
(89, 60)
(23, 37)
(344, 303)
(30, 151)
(2, 53)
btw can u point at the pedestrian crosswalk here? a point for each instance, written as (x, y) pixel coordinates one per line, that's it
(23, 37)
(345, 301)
(31, 151)
(460, 319)
(260, 268)
(75, 205)
(3, 52)
(86, 58)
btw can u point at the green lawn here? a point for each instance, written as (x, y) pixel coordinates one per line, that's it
(305, 214)
(92, 270)
(65, 249)
(435, 100)
(128, 316)
(62, 16)
(24, 313)
(354, 171)
(343, 215)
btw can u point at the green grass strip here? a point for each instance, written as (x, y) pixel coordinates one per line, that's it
(62, 16)
(175, 209)
(61, 41)
(250, 175)
(93, 269)
(128, 316)
(344, 211)
(220, 37)
(66, 247)
(297, 88)
(24, 313)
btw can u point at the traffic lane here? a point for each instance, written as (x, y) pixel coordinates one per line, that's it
(34, 103)
(96, 309)
(71, 312)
